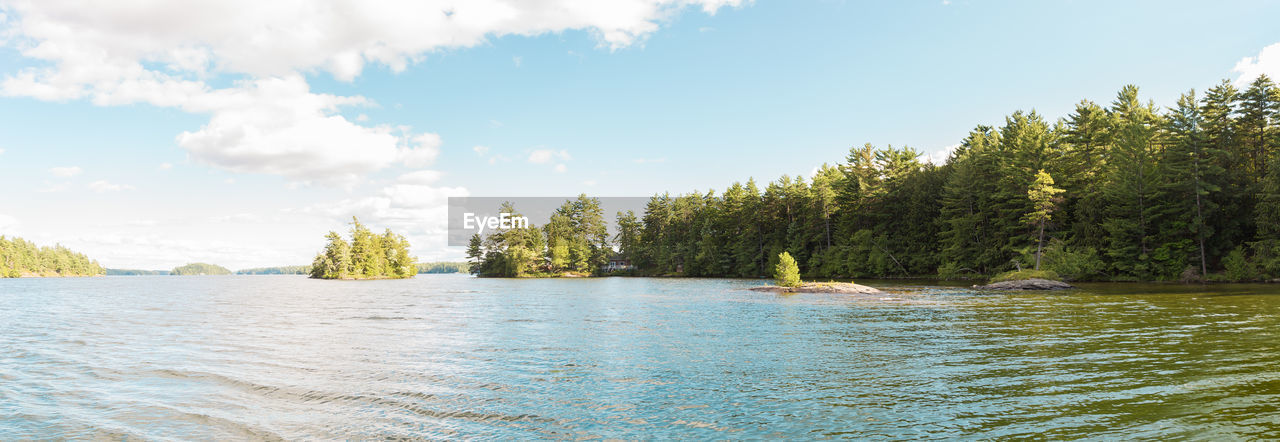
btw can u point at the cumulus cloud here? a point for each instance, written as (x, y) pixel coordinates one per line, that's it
(544, 156)
(66, 172)
(1266, 62)
(103, 186)
(940, 156)
(269, 121)
(422, 152)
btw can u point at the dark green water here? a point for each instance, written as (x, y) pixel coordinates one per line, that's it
(449, 356)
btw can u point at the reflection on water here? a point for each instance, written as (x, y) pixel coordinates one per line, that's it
(451, 356)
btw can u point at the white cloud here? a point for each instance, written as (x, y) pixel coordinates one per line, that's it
(278, 126)
(481, 150)
(1267, 62)
(517, 60)
(940, 156)
(1, 151)
(103, 186)
(66, 172)
(544, 156)
(499, 159)
(269, 121)
(421, 177)
(166, 166)
(561, 168)
(649, 160)
(423, 152)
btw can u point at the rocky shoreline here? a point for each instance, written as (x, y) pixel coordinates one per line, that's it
(1026, 284)
(821, 287)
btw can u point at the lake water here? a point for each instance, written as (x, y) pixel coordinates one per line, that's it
(450, 356)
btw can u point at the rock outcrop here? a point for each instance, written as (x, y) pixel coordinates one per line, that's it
(1026, 284)
(821, 287)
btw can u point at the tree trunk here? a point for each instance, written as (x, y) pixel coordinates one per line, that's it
(1039, 245)
(1200, 217)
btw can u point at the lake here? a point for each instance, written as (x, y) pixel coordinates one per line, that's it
(451, 356)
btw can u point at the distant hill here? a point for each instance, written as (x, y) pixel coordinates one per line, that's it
(282, 270)
(131, 272)
(200, 268)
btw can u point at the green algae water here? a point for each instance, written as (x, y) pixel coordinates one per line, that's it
(450, 356)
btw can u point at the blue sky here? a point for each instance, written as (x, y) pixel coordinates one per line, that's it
(150, 136)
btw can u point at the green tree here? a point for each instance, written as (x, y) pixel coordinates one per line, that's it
(786, 273)
(1043, 198)
(1131, 183)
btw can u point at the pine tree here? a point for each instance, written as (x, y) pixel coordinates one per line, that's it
(1042, 195)
(1131, 183)
(1190, 181)
(786, 273)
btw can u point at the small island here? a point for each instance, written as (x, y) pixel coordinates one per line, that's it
(199, 269)
(1025, 280)
(366, 256)
(786, 277)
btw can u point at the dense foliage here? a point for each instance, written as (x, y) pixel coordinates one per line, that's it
(1122, 192)
(19, 257)
(199, 268)
(575, 241)
(1125, 192)
(366, 256)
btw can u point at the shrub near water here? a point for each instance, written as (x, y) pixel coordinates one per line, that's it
(787, 273)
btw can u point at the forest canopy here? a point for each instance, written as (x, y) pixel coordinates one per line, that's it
(22, 258)
(1120, 191)
(366, 256)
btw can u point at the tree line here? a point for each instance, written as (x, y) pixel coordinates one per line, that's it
(19, 257)
(366, 256)
(1121, 191)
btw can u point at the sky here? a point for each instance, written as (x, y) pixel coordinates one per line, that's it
(149, 134)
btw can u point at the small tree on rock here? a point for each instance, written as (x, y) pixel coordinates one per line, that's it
(1043, 196)
(787, 273)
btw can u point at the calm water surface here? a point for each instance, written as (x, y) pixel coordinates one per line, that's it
(449, 356)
